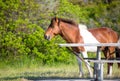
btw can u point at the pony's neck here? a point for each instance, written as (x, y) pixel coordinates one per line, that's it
(72, 35)
(69, 32)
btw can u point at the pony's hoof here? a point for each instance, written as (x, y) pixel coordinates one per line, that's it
(94, 76)
(81, 75)
(108, 76)
(90, 75)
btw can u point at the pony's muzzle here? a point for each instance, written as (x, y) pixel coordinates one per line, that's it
(47, 37)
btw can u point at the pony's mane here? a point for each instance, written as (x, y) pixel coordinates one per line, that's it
(67, 21)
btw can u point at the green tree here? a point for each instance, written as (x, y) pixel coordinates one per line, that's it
(22, 25)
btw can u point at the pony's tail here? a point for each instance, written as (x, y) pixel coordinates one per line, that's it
(117, 49)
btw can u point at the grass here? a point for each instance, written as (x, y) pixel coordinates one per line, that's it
(30, 70)
(16, 74)
(47, 71)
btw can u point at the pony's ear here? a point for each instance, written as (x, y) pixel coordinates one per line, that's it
(56, 19)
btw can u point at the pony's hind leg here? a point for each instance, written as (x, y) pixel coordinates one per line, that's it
(108, 52)
(117, 51)
(111, 56)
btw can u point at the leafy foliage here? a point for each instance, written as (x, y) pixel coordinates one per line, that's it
(22, 25)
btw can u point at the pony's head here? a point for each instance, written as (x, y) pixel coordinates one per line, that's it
(53, 29)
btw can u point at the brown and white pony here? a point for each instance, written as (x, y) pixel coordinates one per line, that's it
(74, 33)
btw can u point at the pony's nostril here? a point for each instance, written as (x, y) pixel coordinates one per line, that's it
(47, 37)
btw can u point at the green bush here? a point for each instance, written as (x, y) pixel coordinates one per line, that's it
(22, 24)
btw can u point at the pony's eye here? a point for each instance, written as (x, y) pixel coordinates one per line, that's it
(52, 26)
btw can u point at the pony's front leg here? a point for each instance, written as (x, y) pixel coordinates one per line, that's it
(81, 73)
(84, 54)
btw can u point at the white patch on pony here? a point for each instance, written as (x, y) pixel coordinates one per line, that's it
(88, 38)
(82, 26)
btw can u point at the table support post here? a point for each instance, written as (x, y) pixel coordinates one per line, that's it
(98, 67)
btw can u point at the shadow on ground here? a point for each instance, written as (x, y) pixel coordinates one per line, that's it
(33, 78)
